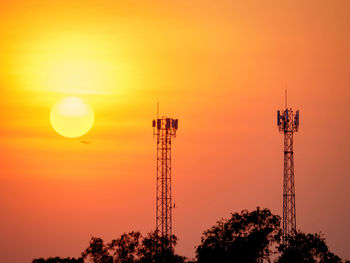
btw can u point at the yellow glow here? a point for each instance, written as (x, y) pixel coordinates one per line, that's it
(71, 117)
(72, 64)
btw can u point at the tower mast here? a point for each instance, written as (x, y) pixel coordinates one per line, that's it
(164, 129)
(288, 124)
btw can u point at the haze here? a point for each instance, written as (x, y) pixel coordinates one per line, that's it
(220, 67)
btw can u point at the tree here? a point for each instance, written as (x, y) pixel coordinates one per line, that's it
(309, 248)
(97, 252)
(245, 237)
(58, 260)
(157, 249)
(133, 248)
(126, 248)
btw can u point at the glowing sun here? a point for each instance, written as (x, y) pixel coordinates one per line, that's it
(72, 117)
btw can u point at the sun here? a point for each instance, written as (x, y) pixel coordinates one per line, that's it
(72, 117)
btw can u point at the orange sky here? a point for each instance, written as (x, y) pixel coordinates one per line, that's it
(219, 66)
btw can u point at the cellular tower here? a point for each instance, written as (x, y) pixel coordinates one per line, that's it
(288, 123)
(164, 129)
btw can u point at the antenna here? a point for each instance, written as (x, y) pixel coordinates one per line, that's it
(157, 109)
(285, 96)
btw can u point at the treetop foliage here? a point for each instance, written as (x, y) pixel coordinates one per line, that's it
(309, 248)
(245, 237)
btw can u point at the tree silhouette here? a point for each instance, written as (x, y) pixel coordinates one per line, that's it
(307, 248)
(245, 237)
(156, 249)
(58, 260)
(97, 252)
(133, 248)
(126, 248)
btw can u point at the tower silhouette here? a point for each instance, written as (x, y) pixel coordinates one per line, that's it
(165, 130)
(288, 123)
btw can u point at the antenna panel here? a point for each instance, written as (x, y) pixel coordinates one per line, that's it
(168, 123)
(297, 117)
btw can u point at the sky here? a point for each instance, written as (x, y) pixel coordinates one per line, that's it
(220, 67)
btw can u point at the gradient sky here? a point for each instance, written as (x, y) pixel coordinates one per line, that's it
(221, 67)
